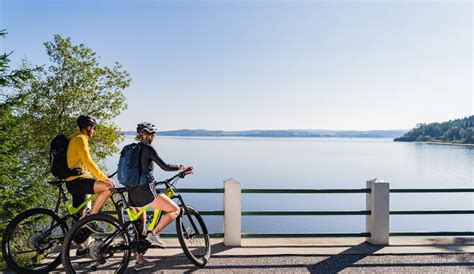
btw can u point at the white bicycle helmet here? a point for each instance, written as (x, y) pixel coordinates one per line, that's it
(147, 128)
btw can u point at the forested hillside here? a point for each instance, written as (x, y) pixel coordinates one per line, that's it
(455, 131)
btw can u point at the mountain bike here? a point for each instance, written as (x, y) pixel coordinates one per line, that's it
(111, 246)
(32, 240)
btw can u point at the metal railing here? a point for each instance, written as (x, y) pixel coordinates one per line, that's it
(335, 213)
(432, 212)
(305, 213)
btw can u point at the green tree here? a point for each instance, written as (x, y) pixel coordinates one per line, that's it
(456, 131)
(469, 136)
(37, 103)
(16, 194)
(10, 77)
(73, 84)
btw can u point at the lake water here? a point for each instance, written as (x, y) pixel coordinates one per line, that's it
(321, 163)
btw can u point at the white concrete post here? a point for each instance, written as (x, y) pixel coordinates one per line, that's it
(232, 213)
(378, 202)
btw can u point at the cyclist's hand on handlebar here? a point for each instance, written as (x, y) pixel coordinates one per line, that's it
(111, 181)
(185, 169)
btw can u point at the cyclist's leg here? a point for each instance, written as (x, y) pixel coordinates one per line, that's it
(78, 192)
(77, 200)
(102, 189)
(164, 203)
(139, 256)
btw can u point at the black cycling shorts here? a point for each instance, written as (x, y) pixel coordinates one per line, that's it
(142, 195)
(79, 188)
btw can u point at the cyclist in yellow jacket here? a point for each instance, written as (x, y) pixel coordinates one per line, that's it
(93, 180)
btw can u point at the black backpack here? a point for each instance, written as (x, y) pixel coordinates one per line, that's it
(58, 158)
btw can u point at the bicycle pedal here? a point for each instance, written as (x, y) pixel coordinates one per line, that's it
(157, 246)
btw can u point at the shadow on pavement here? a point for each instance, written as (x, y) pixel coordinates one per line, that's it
(454, 246)
(362, 257)
(178, 261)
(337, 263)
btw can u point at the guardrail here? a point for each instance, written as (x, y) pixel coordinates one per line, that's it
(377, 212)
(305, 213)
(432, 212)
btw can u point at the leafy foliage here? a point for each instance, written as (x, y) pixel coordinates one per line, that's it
(37, 103)
(74, 84)
(15, 180)
(455, 131)
(9, 78)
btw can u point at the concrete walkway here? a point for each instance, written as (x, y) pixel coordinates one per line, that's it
(327, 255)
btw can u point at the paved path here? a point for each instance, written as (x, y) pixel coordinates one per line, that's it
(409, 255)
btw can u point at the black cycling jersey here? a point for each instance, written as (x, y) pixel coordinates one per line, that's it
(148, 156)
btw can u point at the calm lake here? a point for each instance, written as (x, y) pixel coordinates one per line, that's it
(320, 163)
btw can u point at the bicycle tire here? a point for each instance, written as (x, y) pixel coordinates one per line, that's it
(187, 212)
(65, 253)
(8, 256)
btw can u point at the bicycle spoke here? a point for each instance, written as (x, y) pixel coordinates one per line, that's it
(193, 236)
(35, 241)
(106, 243)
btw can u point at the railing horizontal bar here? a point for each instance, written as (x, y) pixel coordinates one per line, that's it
(315, 191)
(433, 190)
(174, 235)
(304, 191)
(303, 235)
(310, 191)
(303, 213)
(439, 233)
(200, 190)
(328, 213)
(212, 213)
(429, 212)
(204, 213)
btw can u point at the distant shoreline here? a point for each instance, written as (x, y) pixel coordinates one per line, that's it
(448, 144)
(316, 133)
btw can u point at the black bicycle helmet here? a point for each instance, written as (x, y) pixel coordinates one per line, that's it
(146, 127)
(85, 121)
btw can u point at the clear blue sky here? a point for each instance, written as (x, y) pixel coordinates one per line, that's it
(235, 65)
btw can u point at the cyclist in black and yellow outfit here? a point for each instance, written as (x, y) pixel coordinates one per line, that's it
(78, 156)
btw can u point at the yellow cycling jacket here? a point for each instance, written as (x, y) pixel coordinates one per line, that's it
(78, 156)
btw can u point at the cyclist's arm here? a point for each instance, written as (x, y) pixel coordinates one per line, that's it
(84, 154)
(157, 159)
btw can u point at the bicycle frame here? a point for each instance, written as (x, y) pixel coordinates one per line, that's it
(72, 211)
(131, 234)
(157, 213)
(65, 201)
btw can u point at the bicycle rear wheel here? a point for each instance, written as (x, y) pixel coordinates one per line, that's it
(32, 241)
(108, 244)
(193, 236)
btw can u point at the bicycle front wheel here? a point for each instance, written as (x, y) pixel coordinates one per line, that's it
(105, 242)
(32, 241)
(193, 236)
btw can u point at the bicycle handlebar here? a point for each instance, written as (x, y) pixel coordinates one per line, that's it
(181, 174)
